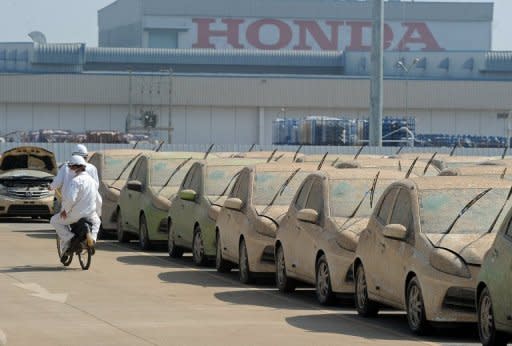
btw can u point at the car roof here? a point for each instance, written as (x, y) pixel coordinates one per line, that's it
(163, 155)
(229, 162)
(478, 170)
(454, 182)
(363, 173)
(289, 167)
(121, 152)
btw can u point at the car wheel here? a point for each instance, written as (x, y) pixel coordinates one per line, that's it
(323, 282)
(221, 264)
(198, 248)
(416, 308)
(122, 236)
(144, 242)
(283, 282)
(244, 273)
(486, 325)
(174, 251)
(364, 306)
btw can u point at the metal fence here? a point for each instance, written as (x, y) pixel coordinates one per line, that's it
(63, 150)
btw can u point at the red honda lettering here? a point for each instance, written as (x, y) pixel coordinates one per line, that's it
(284, 36)
(318, 35)
(204, 32)
(356, 36)
(418, 33)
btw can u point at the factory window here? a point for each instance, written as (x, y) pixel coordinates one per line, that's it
(163, 38)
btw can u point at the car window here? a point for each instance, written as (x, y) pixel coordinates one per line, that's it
(142, 173)
(268, 183)
(316, 197)
(113, 165)
(508, 233)
(195, 181)
(234, 189)
(188, 178)
(300, 202)
(402, 211)
(241, 189)
(218, 177)
(134, 172)
(386, 205)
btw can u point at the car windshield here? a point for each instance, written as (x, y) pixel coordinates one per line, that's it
(161, 170)
(113, 165)
(217, 177)
(267, 183)
(438, 209)
(346, 194)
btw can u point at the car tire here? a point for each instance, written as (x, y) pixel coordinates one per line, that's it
(174, 251)
(415, 306)
(486, 325)
(221, 264)
(198, 255)
(122, 236)
(283, 282)
(364, 306)
(244, 272)
(323, 286)
(144, 241)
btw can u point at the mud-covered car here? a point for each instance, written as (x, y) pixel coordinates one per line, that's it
(25, 175)
(144, 200)
(317, 238)
(191, 218)
(444, 161)
(423, 248)
(493, 295)
(113, 168)
(479, 171)
(246, 225)
(419, 167)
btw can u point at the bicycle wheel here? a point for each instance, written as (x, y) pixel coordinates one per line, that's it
(84, 257)
(70, 257)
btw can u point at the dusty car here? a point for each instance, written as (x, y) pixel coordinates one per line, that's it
(493, 297)
(191, 219)
(479, 170)
(144, 200)
(25, 175)
(275, 155)
(419, 167)
(423, 248)
(113, 168)
(317, 238)
(246, 225)
(444, 161)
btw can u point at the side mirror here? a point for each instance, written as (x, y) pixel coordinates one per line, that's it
(188, 195)
(395, 231)
(308, 215)
(213, 212)
(134, 185)
(233, 203)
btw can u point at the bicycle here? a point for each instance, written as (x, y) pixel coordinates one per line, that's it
(78, 245)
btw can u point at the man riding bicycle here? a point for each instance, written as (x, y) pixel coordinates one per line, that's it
(78, 201)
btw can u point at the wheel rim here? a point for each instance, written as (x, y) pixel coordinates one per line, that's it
(198, 247)
(243, 265)
(281, 267)
(415, 311)
(486, 317)
(323, 280)
(361, 289)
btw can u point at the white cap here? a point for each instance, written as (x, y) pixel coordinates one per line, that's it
(76, 160)
(81, 150)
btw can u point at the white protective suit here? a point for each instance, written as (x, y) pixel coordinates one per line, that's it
(78, 200)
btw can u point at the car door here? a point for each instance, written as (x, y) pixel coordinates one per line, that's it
(190, 208)
(308, 233)
(372, 252)
(129, 206)
(236, 219)
(289, 228)
(178, 208)
(499, 286)
(396, 254)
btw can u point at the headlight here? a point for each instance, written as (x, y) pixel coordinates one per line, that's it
(347, 240)
(266, 226)
(449, 263)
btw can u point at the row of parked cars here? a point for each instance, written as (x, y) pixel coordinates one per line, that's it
(429, 234)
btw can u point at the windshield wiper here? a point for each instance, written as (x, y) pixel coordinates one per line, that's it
(371, 192)
(359, 151)
(504, 153)
(429, 163)
(453, 149)
(227, 186)
(281, 189)
(135, 145)
(335, 161)
(400, 149)
(271, 155)
(124, 168)
(464, 210)
(279, 157)
(297, 152)
(322, 161)
(157, 149)
(502, 176)
(208, 151)
(251, 148)
(412, 167)
(176, 170)
(501, 211)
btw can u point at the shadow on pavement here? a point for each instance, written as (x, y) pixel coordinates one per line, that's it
(24, 220)
(389, 326)
(201, 277)
(28, 269)
(162, 261)
(41, 235)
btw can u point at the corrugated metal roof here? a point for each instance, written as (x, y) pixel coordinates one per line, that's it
(213, 57)
(498, 61)
(65, 53)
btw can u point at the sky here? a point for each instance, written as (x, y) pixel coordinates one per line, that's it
(76, 20)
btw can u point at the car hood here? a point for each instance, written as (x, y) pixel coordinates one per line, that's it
(13, 174)
(471, 247)
(28, 158)
(275, 212)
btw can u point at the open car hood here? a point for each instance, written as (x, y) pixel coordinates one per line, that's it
(28, 158)
(471, 247)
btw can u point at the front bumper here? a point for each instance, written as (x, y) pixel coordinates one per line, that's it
(260, 250)
(42, 207)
